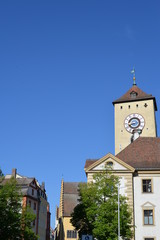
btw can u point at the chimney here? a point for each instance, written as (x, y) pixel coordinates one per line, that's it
(43, 186)
(14, 172)
(136, 134)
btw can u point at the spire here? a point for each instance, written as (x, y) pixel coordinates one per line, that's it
(134, 78)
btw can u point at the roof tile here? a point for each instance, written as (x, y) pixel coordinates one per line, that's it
(89, 162)
(70, 197)
(143, 153)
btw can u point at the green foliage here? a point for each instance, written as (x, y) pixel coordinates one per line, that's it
(27, 217)
(97, 211)
(15, 222)
(1, 174)
(80, 221)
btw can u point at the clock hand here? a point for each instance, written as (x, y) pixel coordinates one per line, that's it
(133, 122)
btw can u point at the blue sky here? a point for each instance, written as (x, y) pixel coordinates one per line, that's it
(62, 63)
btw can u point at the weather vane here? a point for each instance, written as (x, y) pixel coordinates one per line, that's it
(134, 78)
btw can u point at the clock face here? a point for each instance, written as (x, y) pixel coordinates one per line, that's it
(134, 121)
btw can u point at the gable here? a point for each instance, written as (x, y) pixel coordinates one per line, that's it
(112, 161)
(116, 166)
(33, 184)
(148, 205)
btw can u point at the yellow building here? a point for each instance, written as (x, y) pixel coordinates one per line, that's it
(68, 200)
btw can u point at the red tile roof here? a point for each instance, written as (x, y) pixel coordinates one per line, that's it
(71, 196)
(89, 162)
(143, 153)
(139, 95)
(71, 187)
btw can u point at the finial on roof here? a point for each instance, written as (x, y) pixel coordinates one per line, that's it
(134, 78)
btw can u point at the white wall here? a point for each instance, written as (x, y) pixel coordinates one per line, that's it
(147, 200)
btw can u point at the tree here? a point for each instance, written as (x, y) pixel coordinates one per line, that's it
(15, 220)
(80, 221)
(97, 211)
(1, 174)
(27, 218)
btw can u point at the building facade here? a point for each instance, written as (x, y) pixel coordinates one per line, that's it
(34, 195)
(144, 155)
(68, 200)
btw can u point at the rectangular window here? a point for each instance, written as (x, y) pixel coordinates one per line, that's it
(68, 234)
(147, 185)
(34, 222)
(148, 217)
(32, 191)
(29, 203)
(34, 206)
(149, 239)
(74, 234)
(71, 234)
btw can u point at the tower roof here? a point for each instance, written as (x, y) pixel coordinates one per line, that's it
(135, 94)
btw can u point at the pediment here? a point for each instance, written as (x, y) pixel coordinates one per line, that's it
(148, 205)
(113, 162)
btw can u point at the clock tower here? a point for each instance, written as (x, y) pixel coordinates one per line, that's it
(134, 116)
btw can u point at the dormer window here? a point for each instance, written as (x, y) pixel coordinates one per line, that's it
(133, 94)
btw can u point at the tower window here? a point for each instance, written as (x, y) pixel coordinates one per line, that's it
(121, 107)
(129, 106)
(137, 105)
(133, 94)
(145, 105)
